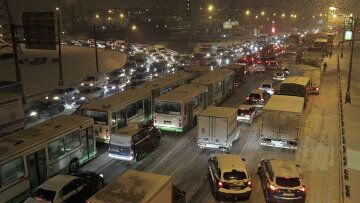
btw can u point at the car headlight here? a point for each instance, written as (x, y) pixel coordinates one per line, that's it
(101, 175)
(207, 55)
(107, 78)
(113, 87)
(82, 84)
(132, 70)
(56, 98)
(227, 61)
(91, 84)
(33, 113)
(46, 97)
(72, 97)
(82, 98)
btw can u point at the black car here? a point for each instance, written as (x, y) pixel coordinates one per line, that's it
(281, 181)
(132, 142)
(76, 187)
(44, 109)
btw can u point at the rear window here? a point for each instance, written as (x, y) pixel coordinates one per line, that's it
(234, 175)
(42, 194)
(255, 96)
(288, 182)
(243, 112)
(266, 85)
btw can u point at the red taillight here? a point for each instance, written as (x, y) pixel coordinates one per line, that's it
(107, 133)
(272, 188)
(252, 59)
(302, 188)
(220, 184)
(249, 183)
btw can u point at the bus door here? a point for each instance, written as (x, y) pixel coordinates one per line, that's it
(36, 164)
(88, 144)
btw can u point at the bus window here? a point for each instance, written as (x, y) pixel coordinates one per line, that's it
(218, 87)
(56, 149)
(168, 108)
(72, 141)
(12, 170)
(197, 101)
(98, 116)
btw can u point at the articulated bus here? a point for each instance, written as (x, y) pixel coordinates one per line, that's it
(220, 83)
(116, 111)
(296, 86)
(177, 110)
(30, 157)
(132, 105)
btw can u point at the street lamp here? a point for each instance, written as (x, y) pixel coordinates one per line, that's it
(247, 12)
(121, 15)
(283, 15)
(211, 8)
(262, 13)
(133, 27)
(332, 8)
(97, 16)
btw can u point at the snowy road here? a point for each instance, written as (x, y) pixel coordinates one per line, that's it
(179, 156)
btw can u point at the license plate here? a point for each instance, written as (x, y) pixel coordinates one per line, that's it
(167, 122)
(288, 194)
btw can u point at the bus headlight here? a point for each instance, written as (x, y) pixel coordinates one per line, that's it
(56, 98)
(82, 98)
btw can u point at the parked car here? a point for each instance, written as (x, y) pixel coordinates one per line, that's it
(44, 109)
(258, 67)
(228, 177)
(281, 181)
(77, 187)
(257, 98)
(62, 94)
(268, 87)
(280, 76)
(134, 141)
(246, 114)
(88, 93)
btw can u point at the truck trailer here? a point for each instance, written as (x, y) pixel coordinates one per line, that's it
(11, 113)
(217, 128)
(280, 122)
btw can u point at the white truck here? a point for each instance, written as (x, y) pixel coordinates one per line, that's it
(217, 128)
(11, 113)
(136, 186)
(280, 121)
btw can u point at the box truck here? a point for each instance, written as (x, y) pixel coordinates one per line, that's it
(280, 121)
(217, 128)
(11, 113)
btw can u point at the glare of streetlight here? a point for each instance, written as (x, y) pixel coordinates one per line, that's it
(256, 17)
(321, 14)
(351, 15)
(97, 16)
(247, 12)
(57, 8)
(262, 13)
(313, 16)
(109, 18)
(334, 15)
(121, 15)
(210, 17)
(332, 8)
(283, 15)
(210, 8)
(291, 16)
(133, 27)
(295, 15)
(274, 14)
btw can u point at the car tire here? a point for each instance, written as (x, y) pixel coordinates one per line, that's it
(73, 166)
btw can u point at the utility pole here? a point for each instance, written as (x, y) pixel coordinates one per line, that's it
(61, 80)
(96, 49)
(348, 96)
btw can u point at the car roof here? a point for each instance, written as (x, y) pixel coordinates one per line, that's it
(129, 130)
(228, 162)
(284, 168)
(285, 103)
(257, 91)
(57, 182)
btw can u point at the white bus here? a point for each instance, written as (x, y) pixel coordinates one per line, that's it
(177, 110)
(30, 157)
(220, 83)
(132, 105)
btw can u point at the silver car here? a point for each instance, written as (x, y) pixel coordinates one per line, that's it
(246, 114)
(87, 94)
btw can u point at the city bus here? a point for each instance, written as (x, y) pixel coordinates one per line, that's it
(296, 86)
(132, 105)
(220, 83)
(30, 157)
(177, 110)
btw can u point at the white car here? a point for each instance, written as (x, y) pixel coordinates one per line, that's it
(228, 177)
(268, 87)
(279, 76)
(259, 67)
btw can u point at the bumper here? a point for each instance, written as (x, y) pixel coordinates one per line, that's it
(169, 128)
(292, 145)
(219, 146)
(244, 120)
(234, 196)
(274, 198)
(121, 157)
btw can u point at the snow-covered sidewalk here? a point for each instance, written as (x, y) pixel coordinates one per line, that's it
(351, 123)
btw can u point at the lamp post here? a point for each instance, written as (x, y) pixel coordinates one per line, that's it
(95, 42)
(348, 96)
(61, 80)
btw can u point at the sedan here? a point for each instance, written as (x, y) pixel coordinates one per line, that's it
(88, 93)
(76, 187)
(62, 94)
(279, 76)
(246, 114)
(116, 85)
(44, 109)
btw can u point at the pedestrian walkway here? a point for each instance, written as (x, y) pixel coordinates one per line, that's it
(350, 125)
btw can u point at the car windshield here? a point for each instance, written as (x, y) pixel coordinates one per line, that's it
(59, 91)
(288, 182)
(168, 108)
(86, 90)
(234, 175)
(42, 194)
(242, 112)
(278, 74)
(266, 85)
